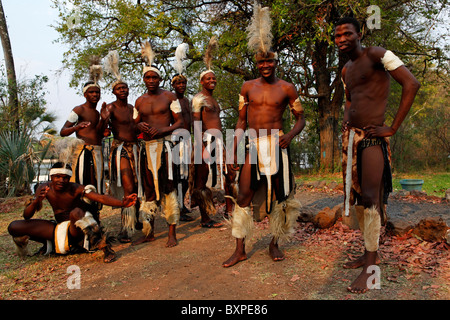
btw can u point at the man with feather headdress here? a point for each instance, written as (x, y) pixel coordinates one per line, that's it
(85, 121)
(209, 154)
(158, 115)
(262, 103)
(179, 83)
(123, 163)
(75, 229)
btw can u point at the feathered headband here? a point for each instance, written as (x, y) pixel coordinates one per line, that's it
(259, 33)
(111, 65)
(65, 149)
(180, 56)
(212, 45)
(95, 73)
(148, 55)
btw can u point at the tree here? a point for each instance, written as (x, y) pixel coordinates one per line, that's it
(10, 70)
(19, 146)
(32, 116)
(303, 37)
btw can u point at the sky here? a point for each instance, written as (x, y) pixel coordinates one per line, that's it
(35, 53)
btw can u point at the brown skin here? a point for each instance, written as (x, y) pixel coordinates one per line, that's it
(267, 99)
(156, 120)
(210, 119)
(89, 127)
(367, 90)
(179, 87)
(119, 114)
(66, 202)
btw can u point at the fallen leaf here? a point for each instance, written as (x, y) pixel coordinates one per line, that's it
(295, 277)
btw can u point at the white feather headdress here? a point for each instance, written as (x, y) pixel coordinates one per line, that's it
(111, 65)
(259, 32)
(207, 59)
(95, 73)
(65, 149)
(180, 63)
(149, 56)
(180, 56)
(95, 69)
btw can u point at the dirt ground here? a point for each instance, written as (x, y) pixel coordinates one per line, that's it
(410, 268)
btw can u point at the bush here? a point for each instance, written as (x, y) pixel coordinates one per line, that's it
(16, 163)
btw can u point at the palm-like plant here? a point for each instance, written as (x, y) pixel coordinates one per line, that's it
(16, 164)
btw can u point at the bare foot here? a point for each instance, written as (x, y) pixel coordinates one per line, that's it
(172, 241)
(237, 256)
(123, 237)
(275, 253)
(359, 262)
(143, 239)
(110, 255)
(360, 284)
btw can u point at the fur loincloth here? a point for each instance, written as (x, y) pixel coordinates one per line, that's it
(269, 160)
(217, 168)
(183, 167)
(87, 156)
(154, 152)
(130, 151)
(62, 241)
(353, 142)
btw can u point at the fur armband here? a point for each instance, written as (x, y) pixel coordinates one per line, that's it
(86, 222)
(390, 61)
(343, 83)
(175, 106)
(87, 189)
(135, 113)
(297, 106)
(198, 102)
(242, 102)
(73, 117)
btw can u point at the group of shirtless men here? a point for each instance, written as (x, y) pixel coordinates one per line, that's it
(143, 170)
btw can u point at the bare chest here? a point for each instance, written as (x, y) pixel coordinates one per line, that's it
(90, 115)
(154, 106)
(267, 99)
(122, 115)
(363, 72)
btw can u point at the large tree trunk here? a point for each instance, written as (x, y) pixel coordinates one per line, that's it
(326, 117)
(10, 70)
(329, 105)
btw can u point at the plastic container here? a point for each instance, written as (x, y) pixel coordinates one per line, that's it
(411, 184)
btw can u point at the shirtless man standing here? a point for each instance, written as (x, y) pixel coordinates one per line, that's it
(158, 115)
(75, 227)
(85, 121)
(262, 103)
(124, 179)
(206, 116)
(179, 83)
(366, 78)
